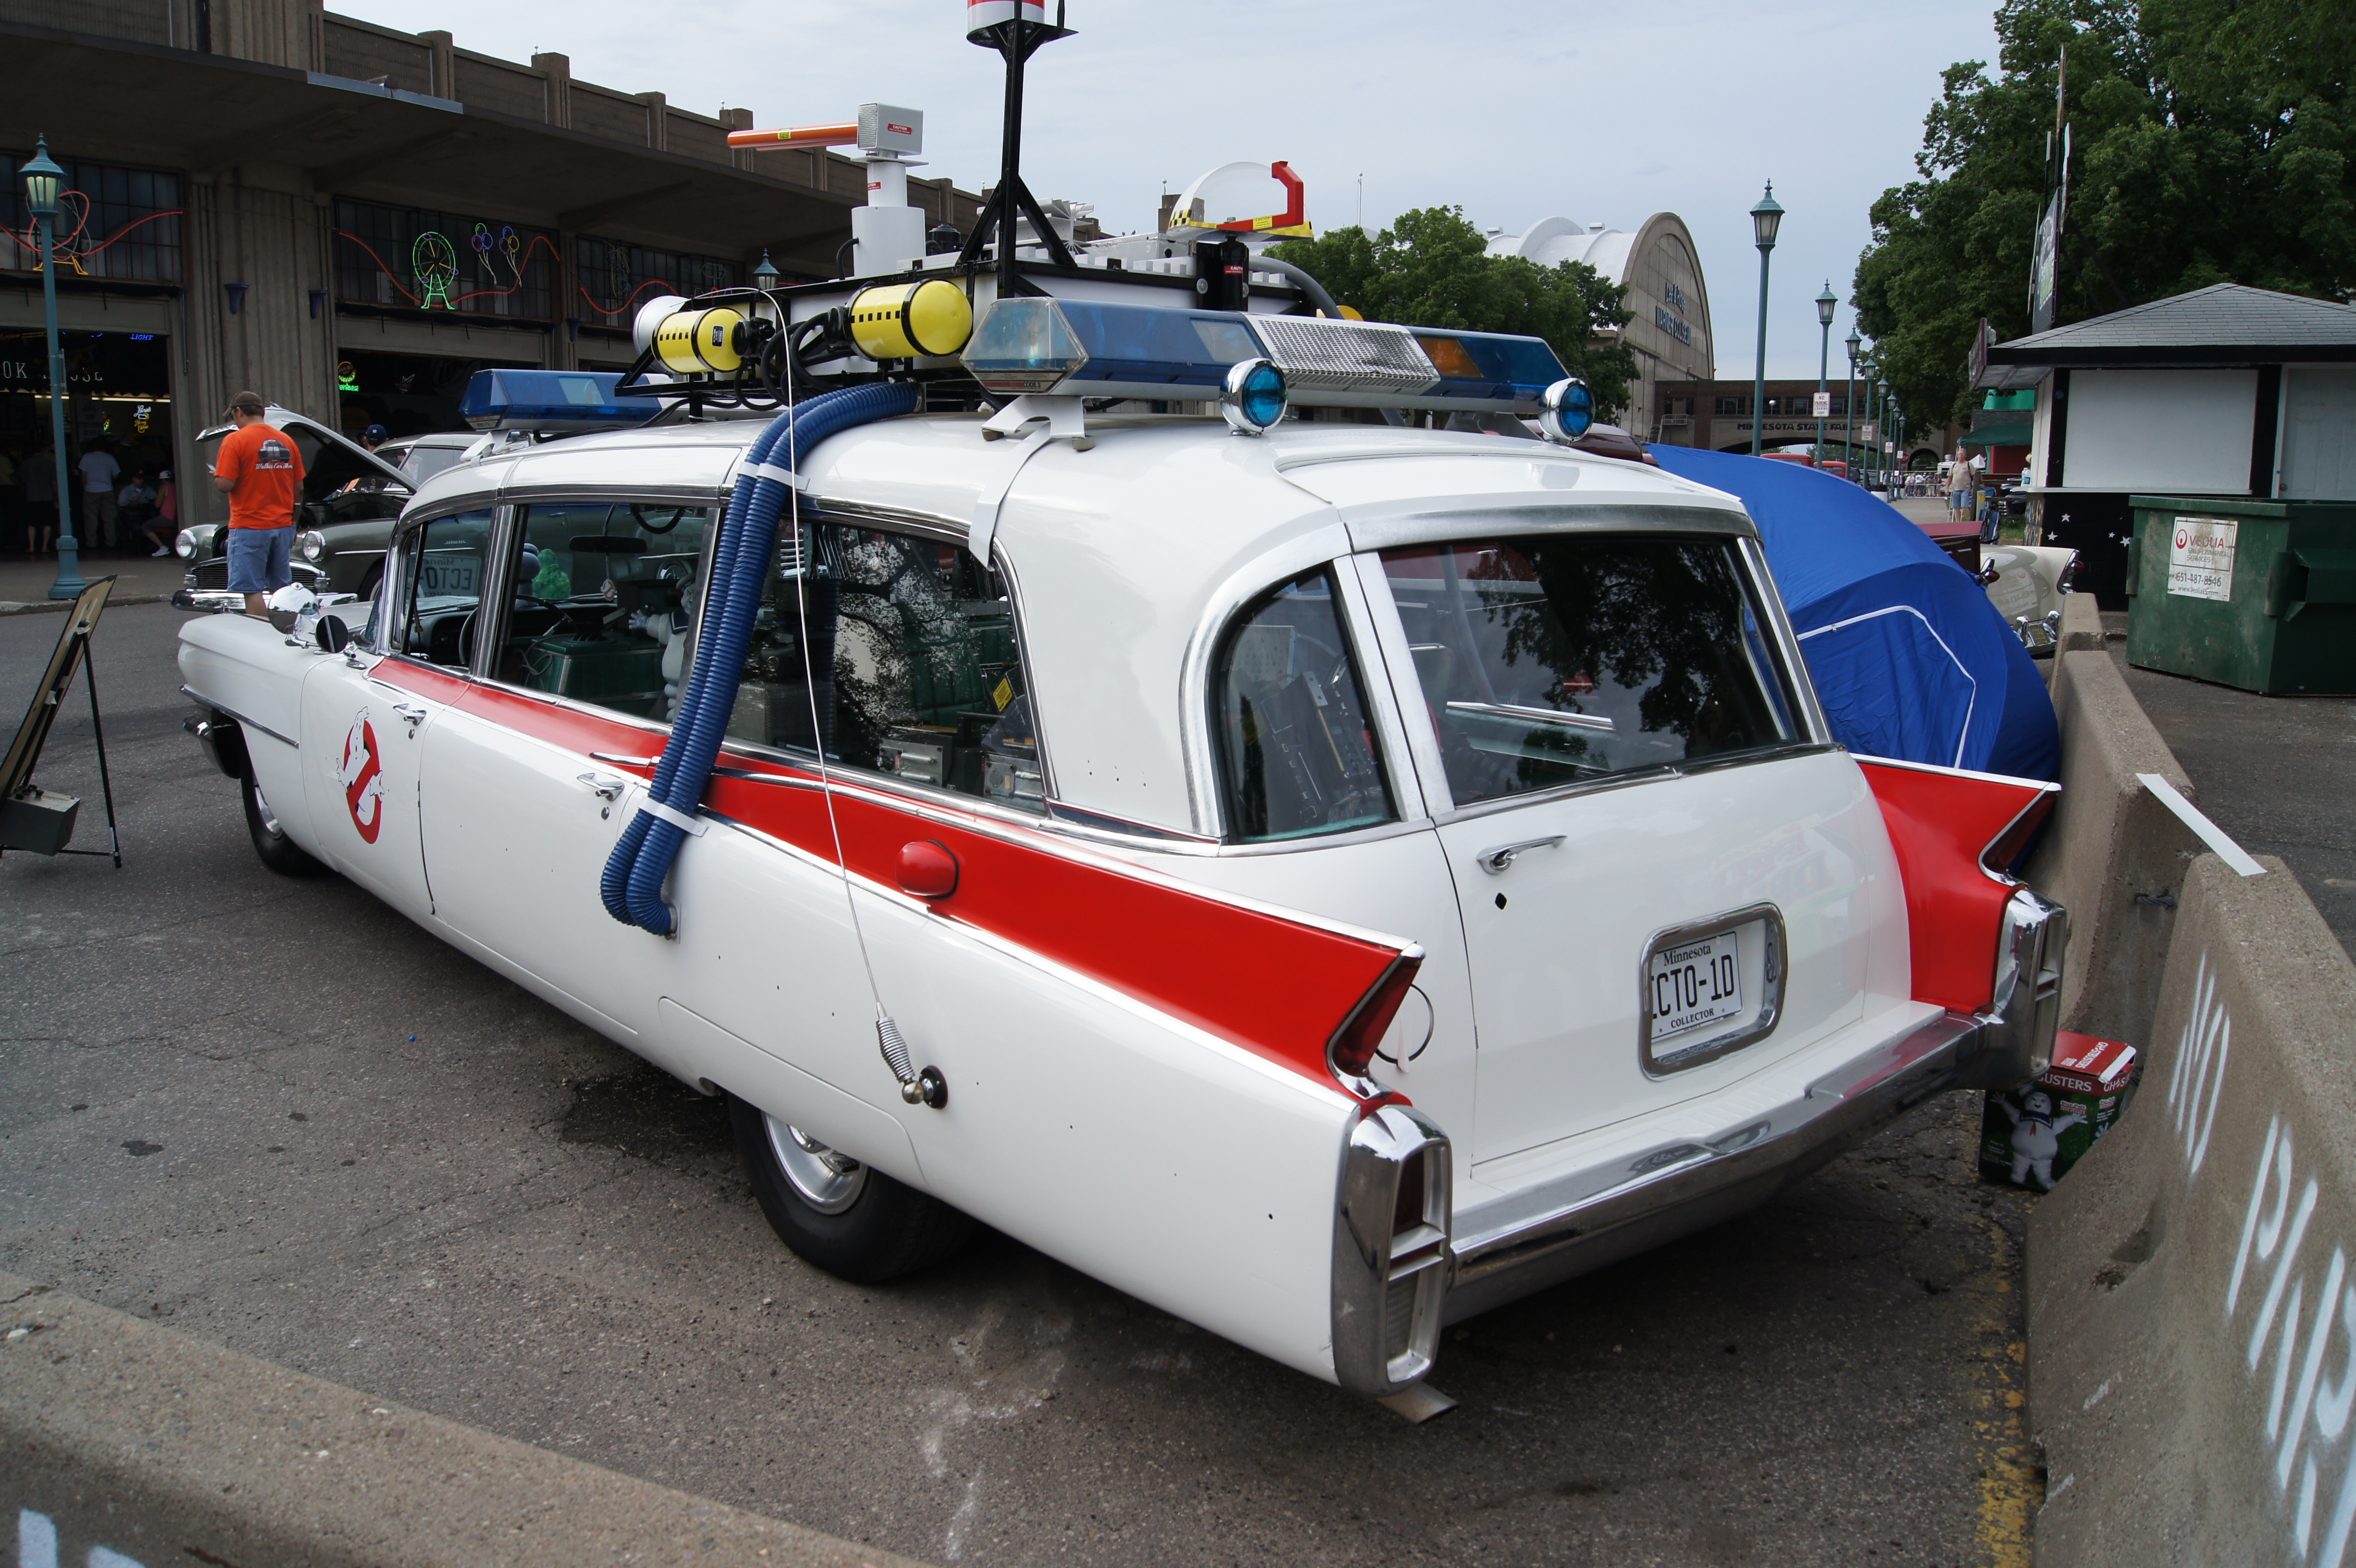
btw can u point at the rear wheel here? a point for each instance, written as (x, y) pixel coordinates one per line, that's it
(278, 852)
(846, 1218)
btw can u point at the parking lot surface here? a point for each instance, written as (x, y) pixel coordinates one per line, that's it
(2272, 771)
(277, 1115)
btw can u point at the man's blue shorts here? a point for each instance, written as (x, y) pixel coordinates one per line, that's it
(261, 560)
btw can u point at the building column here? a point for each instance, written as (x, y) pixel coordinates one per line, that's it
(556, 73)
(443, 81)
(657, 119)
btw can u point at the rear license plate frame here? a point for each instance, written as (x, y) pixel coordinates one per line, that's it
(1713, 1037)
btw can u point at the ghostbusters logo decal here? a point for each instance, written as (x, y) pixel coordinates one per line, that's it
(362, 780)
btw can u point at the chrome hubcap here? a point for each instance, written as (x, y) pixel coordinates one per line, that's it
(827, 1179)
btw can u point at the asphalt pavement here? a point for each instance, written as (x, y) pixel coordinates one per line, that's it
(274, 1114)
(2272, 771)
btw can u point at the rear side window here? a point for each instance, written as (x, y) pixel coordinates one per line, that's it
(1563, 658)
(898, 653)
(1296, 752)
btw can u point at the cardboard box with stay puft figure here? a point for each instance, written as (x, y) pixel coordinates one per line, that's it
(2031, 1136)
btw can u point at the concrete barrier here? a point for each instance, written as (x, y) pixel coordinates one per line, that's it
(124, 1444)
(2114, 856)
(2081, 630)
(2191, 1303)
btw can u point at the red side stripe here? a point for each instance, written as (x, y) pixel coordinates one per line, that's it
(1275, 986)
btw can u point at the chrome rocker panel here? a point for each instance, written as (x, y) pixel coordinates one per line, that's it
(1680, 1188)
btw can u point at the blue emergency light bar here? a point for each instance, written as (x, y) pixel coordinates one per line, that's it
(1091, 348)
(547, 399)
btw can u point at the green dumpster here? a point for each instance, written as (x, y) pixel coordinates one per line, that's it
(2258, 595)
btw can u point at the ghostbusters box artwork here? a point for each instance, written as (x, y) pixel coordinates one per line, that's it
(2031, 1136)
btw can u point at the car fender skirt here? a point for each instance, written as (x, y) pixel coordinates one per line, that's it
(632, 885)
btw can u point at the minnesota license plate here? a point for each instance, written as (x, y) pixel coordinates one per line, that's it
(1695, 984)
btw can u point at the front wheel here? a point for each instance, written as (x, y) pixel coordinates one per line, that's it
(846, 1218)
(278, 852)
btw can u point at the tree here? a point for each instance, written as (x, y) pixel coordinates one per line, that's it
(1432, 268)
(2213, 141)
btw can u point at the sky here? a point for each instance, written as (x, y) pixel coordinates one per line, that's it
(1516, 113)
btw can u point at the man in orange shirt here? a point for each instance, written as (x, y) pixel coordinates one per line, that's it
(261, 473)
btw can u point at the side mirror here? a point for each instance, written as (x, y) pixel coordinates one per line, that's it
(334, 635)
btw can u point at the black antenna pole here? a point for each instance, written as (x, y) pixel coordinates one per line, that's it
(1017, 40)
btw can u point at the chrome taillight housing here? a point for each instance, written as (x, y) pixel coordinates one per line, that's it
(1391, 1256)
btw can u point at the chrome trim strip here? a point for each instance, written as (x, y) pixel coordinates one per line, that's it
(676, 495)
(1774, 972)
(240, 718)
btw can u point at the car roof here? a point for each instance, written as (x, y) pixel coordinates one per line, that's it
(1129, 556)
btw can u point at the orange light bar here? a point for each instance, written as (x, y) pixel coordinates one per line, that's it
(798, 136)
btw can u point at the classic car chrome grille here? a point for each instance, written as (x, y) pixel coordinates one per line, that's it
(212, 573)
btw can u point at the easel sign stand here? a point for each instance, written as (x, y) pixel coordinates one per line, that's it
(32, 818)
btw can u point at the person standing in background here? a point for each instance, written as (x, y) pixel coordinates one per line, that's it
(261, 473)
(100, 474)
(12, 525)
(40, 475)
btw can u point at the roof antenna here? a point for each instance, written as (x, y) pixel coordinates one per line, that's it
(1015, 28)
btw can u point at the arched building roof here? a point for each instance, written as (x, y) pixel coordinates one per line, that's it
(1661, 267)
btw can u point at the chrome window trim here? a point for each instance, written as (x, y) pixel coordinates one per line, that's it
(662, 495)
(224, 708)
(1398, 660)
(1797, 682)
(1003, 564)
(1428, 521)
(1776, 973)
(1197, 747)
(893, 520)
(1360, 632)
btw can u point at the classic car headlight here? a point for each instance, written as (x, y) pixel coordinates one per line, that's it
(312, 543)
(185, 546)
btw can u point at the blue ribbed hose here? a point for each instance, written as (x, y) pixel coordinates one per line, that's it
(632, 885)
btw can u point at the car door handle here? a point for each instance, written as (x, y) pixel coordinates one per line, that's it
(1495, 861)
(416, 715)
(604, 786)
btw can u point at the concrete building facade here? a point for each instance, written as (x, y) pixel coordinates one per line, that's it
(350, 220)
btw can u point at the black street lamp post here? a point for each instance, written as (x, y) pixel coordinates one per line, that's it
(1825, 305)
(42, 177)
(1765, 219)
(1848, 409)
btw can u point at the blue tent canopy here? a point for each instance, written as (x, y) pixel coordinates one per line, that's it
(1909, 658)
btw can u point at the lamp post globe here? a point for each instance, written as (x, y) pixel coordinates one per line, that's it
(1827, 302)
(1849, 407)
(42, 178)
(1765, 219)
(764, 276)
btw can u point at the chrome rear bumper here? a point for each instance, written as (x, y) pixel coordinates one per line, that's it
(1404, 1264)
(1674, 1190)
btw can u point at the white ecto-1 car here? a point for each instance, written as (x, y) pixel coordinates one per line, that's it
(1327, 884)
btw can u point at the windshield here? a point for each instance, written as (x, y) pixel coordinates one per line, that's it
(422, 462)
(1561, 658)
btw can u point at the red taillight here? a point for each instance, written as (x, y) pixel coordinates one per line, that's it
(1350, 1051)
